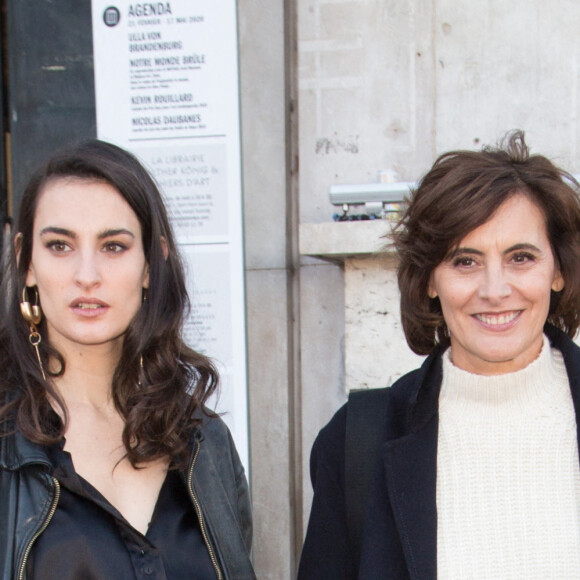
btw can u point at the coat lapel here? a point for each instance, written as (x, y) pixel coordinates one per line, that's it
(410, 473)
(571, 356)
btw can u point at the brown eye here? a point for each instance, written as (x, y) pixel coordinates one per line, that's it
(58, 246)
(523, 258)
(463, 262)
(114, 247)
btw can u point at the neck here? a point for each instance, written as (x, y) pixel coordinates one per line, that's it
(88, 375)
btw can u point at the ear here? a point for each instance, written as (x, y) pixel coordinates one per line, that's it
(164, 247)
(165, 250)
(558, 282)
(18, 246)
(30, 275)
(431, 292)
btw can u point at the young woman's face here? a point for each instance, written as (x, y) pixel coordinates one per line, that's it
(495, 287)
(87, 262)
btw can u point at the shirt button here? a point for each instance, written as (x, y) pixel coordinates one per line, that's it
(148, 570)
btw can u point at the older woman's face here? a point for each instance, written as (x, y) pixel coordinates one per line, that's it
(87, 262)
(494, 290)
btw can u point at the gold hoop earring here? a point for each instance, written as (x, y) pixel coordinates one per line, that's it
(32, 314)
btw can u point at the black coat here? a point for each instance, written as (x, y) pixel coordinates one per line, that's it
(400, 531)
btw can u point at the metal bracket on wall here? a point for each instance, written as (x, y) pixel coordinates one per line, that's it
(370, 200)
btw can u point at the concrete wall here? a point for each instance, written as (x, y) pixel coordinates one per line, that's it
(263, 70)
(380, 84)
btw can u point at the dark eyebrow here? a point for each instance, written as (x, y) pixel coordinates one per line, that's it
(59, 231)
(529, 247)
(115, 232)
(69, 234)
(458, 251)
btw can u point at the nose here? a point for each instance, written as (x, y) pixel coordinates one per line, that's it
(88, 272)
(494, 286)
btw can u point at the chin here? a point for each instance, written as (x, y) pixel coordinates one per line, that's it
(507, 362)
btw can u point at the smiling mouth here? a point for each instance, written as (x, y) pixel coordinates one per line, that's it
(498, 319)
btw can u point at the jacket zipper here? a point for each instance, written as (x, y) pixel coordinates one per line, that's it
(200, 514)
(41, 529)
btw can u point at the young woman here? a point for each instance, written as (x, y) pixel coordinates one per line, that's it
(477, 473)
(110, 465)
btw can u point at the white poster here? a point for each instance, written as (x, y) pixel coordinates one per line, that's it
(166, 83)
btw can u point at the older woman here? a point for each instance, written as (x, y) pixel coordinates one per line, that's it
(110, 464)
(477, 473)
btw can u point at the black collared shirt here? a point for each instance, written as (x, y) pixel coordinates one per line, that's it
(88, 538)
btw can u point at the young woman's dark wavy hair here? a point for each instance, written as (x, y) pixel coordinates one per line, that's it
(157, 399)
(461, 192)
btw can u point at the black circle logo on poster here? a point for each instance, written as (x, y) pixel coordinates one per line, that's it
(111, 16)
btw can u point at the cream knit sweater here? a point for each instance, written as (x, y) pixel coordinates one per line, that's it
(508, 476)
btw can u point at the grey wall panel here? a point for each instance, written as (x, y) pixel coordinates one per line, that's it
(51, 94)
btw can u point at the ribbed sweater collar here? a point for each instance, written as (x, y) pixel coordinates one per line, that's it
(540, 388)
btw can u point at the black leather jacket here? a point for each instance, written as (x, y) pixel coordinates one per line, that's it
(216, 482)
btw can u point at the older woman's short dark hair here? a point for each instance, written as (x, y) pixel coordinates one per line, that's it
(461, 192)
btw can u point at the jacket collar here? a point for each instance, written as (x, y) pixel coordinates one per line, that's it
(414, 398)
(16, 452)
(410, 455)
